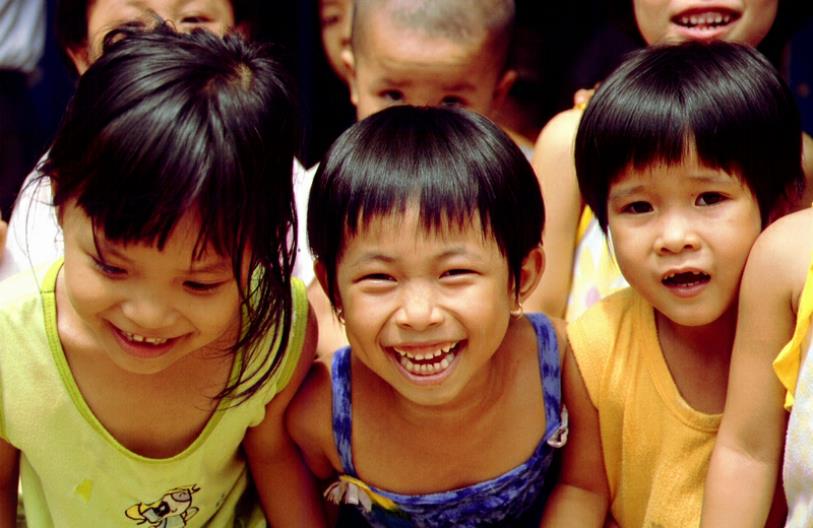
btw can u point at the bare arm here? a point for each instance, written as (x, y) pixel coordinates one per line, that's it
(554, 166)
(745, 463)
(287, 489)
(581, 497)
(9, 475)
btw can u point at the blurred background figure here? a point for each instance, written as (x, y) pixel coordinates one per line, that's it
(22, 41)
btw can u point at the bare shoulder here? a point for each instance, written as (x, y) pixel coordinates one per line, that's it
(555, 141)
(309, 417)
(560, 327)
(781, 256)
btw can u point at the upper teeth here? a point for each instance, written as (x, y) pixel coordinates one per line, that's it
(143, 339)
(695, 273)
(705, 19)
(427, 355)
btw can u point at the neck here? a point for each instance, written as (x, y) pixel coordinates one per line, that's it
(712, 340)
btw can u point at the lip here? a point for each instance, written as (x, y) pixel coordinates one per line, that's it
(703, 32)
(142, 350)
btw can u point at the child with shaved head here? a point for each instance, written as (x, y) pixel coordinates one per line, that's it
(430, 53)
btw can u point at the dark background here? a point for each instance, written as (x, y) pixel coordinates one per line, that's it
(560, 46)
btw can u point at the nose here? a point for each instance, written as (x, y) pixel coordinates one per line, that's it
(148, 311)
(418, 308)
(677, 233)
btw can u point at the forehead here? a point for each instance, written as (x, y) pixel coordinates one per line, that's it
(660, 176)
(410, 227)
(120, 11)
(389, 41)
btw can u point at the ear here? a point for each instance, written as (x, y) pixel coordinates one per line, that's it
(349, 62)
(531, 272)
(80, 58)
(504, 84)
(321, 276)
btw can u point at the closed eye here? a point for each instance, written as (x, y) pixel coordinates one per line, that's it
(378, 277)
(108, 270)
(710, 198)
(453, 101)
(457, 272)
(202, 287)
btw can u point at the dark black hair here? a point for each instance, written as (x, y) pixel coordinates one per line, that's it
(71, 22)
(724, 100)
(455, 165)
(167, 124)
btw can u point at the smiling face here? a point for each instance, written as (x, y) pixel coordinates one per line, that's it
(681, 234)
(745, 21)
(141, 308)
(393, 65)
(104, 16)
(426, 312)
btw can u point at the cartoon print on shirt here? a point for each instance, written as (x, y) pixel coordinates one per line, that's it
(172, 510)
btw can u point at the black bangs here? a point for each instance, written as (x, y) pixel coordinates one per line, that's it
(723, 101)
(454, 165)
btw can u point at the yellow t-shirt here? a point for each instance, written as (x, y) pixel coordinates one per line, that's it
(788, 362)
(75, 473)
(656, 447)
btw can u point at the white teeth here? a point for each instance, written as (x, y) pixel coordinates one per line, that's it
(427, 355)
(705, 19)
(427, 368)
(141, 339)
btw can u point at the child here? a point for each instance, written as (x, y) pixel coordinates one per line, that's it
(334, 24)
(132, 370)
(683, 153)
(744, 467)
(423, 53)
(430, 53)
(581, 269)
(34, 234)
(445, 409)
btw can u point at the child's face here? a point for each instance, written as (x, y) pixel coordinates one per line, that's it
(401, 66)
(681, 235)
(335, 18)
(425, 312)
(145, 309)
(106, 15)
(746, 21)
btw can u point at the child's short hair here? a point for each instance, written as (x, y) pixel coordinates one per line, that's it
(451, 19)
(167, 124)
(724, 100)
(453, 164)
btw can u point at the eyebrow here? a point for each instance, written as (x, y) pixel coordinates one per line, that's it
(715, 178)
(386, 259)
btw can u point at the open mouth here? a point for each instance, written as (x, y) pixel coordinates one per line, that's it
(686, 279)
(428, 362)
(143, 340)
(705, 19)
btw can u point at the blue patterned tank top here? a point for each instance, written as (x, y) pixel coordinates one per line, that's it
(501, 500)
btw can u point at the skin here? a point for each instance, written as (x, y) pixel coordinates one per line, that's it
(334, 19)
(663, 220)
(105, 15)
(395, 65)
(746, 463)
(553, 154)
(419, 293)
(3, 233)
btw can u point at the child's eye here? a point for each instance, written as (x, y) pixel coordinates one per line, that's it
(637, 208)
(378, 277)
(710, 198)
(195, 20)
(394, 96)
(202, 287)
(457, 272)
(452, 101)
(107, 269)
